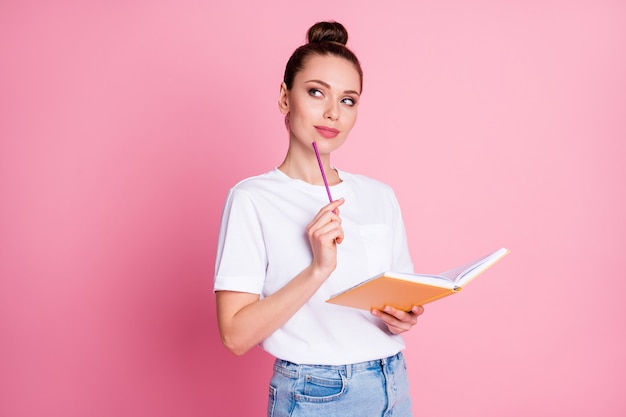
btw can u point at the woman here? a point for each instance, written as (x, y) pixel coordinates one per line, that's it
(283, 251)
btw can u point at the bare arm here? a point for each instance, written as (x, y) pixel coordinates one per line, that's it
(245, 320)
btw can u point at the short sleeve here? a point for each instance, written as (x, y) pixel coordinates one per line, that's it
(241, 259)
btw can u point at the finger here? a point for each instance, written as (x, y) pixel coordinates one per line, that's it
(401, 315)
(394, 325)
(401, 323)
(323, 222)
(333, 206)
(325, 215)
(396, 330)
(417, 310)
(331, 232)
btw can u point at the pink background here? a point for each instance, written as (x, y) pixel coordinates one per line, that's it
(123, 124)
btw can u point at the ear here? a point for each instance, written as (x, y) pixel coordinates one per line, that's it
(283, 99)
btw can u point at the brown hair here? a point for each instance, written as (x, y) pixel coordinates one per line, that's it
(323, 38)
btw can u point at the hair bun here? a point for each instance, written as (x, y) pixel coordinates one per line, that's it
(328, 32)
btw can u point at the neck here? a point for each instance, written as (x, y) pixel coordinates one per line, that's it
(303, 165)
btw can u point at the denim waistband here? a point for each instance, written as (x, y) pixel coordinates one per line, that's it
(348, 369)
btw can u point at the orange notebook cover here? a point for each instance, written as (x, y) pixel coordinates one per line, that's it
(404, 290)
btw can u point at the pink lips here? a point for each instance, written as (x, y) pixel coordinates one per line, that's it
(327, 132)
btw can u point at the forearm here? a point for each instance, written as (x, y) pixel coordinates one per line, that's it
(245, 320)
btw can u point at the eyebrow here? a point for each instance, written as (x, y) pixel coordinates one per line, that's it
(325, 84)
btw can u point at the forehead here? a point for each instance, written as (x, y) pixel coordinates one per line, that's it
(336, 71)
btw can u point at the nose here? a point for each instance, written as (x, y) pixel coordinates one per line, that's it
(332, 111)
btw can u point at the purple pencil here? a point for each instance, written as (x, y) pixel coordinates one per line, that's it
(319, 161)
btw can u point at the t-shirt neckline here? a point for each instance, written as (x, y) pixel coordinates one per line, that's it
(303, 185)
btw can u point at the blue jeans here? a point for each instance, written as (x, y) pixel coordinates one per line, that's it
(375, 388)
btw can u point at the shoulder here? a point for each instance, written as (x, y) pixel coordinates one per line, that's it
(264, 185)
(363, 182)
(258, 182)
(264, 192)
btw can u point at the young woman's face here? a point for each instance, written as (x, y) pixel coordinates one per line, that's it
(323, 101)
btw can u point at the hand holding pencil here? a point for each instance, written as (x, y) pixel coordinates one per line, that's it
(325, 231)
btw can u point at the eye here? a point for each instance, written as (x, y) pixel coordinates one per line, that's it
(315, 92)
(349, 101)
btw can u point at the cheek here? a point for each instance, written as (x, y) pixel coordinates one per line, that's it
(299, 118)
(300, 111)
(350, 118)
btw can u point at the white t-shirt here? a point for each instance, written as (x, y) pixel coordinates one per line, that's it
(263, 245)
